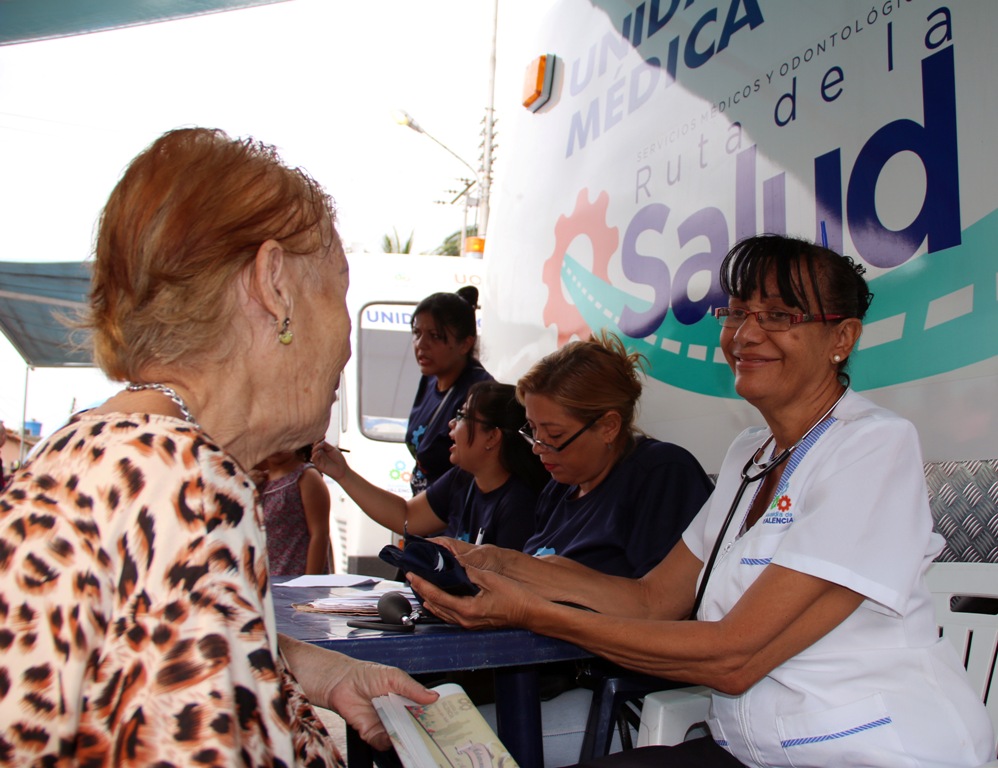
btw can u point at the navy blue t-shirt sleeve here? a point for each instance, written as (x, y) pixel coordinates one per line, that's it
(669, 489)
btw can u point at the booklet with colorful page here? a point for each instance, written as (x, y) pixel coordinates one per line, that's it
(449, 733)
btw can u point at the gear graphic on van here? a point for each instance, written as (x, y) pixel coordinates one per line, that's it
(589, 220)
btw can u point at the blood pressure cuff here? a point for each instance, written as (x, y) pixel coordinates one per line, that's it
(430, 561)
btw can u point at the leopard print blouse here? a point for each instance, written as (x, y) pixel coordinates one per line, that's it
(136, 621)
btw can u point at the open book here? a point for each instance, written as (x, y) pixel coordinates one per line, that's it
(449, 733)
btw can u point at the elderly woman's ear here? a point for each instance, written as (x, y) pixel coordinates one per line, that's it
(268, 280)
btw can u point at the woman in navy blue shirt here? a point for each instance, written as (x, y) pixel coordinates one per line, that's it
(444, 340)
(618, 499)
(489, 493)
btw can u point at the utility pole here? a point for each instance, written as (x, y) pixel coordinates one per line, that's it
(486, 185)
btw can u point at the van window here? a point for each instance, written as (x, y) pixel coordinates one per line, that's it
(387, 370)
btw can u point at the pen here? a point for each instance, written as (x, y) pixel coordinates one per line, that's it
(319, 443)
(480, 537)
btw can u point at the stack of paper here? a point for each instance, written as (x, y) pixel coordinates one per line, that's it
(356, 602)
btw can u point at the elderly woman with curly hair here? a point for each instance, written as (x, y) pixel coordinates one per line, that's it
(137, 620)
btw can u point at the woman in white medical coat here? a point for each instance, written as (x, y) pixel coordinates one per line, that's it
(805, 569)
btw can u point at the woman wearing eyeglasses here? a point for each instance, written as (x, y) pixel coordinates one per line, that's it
(805, 570)
(618, 499)
(487, 496)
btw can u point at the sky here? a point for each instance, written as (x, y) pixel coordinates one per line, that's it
(320, 79)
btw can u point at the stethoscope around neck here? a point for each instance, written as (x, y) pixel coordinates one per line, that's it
(748, 476)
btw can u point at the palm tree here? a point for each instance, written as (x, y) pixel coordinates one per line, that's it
(392, 244)
(451, 246)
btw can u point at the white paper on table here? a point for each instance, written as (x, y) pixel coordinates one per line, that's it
(358, 602)
(331, 580)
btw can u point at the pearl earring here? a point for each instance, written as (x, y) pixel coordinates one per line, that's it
(285, 335)
(836, 358)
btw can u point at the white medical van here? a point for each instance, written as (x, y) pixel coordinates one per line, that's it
(378, 386)
(670, 130)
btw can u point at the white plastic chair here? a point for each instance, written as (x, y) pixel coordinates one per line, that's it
(666, 716)
(974, 635)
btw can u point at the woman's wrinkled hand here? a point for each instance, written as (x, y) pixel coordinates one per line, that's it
(487, 557)
(500, 602)
(484, 557)
(352, 696)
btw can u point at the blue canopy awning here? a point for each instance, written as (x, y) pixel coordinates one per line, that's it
(36, 300)
(22, 21)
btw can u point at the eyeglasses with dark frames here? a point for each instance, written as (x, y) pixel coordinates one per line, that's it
(768, 319)
(462, 415)
(528, 434)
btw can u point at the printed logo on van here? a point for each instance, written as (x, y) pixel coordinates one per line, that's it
(926, 318)
(652, 276)
(400, 472)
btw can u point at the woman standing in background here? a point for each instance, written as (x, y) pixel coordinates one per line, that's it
(445, 342)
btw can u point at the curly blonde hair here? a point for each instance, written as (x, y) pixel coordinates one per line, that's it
(187, 216)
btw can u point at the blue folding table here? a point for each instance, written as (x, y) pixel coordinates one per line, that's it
(514, 655)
